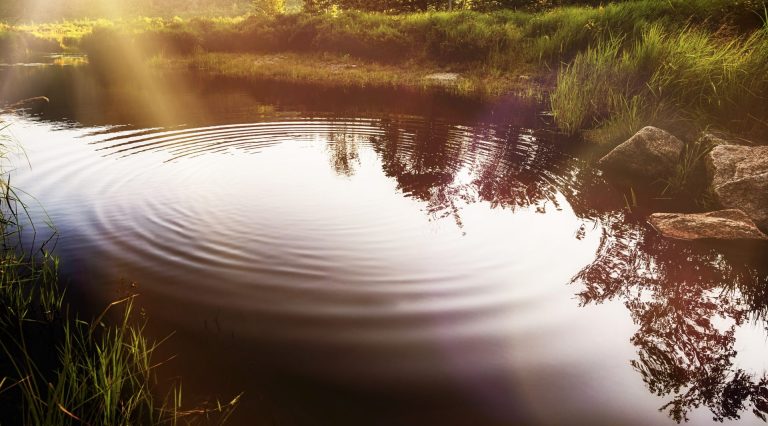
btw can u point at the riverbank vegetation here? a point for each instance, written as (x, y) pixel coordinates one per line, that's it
(57, 368)
(663, 77)
(611, 68)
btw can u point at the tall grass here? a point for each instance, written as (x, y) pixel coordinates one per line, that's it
(563, 32)
(615, 67)
(691, 76)
(16, 44)
(575, 102)
(689, 171)
(494, 38)
(57, 369)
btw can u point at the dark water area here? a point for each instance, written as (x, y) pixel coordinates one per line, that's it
(374, 257)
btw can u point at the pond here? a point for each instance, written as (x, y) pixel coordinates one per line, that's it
(365, 256)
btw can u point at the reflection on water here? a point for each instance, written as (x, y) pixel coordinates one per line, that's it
(688, 303)
(442, 164)
(342, 149)
(389, 259)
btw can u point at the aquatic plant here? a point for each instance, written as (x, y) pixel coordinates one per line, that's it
(58, 369)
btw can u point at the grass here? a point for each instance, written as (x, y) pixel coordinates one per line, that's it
(20, 10)
(57, 369)
(690, 164)
(337, 70)
(689, 76)
(683, 65)
(16, 43)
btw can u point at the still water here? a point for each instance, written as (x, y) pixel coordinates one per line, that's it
(378, 257)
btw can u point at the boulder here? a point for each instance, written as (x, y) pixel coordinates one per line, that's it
(739, 176)
(720, 225)
(650, 154)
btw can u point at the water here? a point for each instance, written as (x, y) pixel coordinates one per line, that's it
(370, 257)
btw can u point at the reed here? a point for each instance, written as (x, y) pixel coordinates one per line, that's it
(695, 77)
(58, 369)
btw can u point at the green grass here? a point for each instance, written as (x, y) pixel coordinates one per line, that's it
(613, 69)
(16, 43)
(688, 78)
(57, 369)
(337, 70)
(496, 39)
(689, 170)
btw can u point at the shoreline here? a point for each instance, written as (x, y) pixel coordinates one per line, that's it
(332, 70)
(607, 71)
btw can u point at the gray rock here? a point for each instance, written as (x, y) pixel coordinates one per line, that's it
(720, 225)
(731, 162)
(651, 153)
(739, 176)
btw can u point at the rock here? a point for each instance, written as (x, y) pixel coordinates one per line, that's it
(651, 153)
(720, 225)
(739, 176)
(727, 163)
(749, 194)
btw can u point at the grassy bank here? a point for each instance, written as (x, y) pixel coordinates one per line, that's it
(336, 70)
(615, 68)
(690, 78)
(16, 43)
(58, 369)
(495, 40)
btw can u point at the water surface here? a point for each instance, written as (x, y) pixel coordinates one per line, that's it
(378, 257)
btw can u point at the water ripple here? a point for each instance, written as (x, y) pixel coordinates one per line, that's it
(310, 220)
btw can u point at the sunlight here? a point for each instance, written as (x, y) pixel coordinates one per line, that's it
(395, 212)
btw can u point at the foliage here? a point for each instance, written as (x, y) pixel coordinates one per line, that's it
(401, 6)
(616, 67)
(56, 369)
(692, 75)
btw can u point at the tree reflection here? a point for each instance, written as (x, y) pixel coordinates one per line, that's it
(688, 302)
(343, 151)
(451, 166)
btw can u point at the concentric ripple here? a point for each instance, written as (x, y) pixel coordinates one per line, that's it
(379, 257)
(380, 233)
